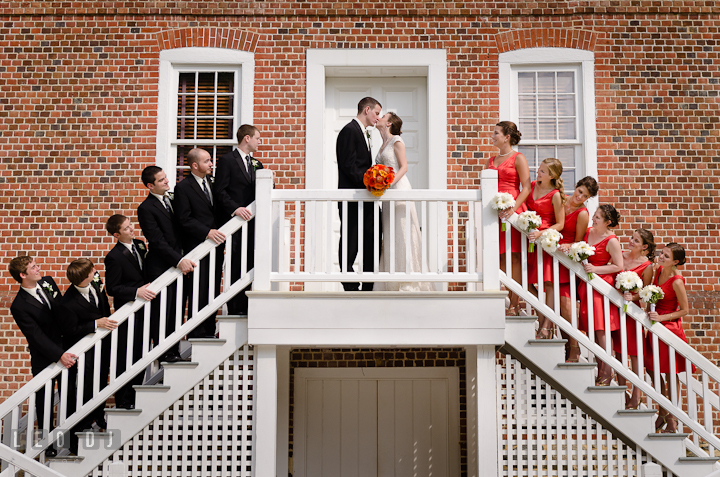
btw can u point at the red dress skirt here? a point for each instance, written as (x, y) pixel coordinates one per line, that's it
(544, 208)
(629, 322)
(601, 257)
(668, 304)
(509, 181)
(568, 232)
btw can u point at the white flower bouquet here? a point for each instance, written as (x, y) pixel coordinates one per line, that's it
(627, 281)
(529, 221)
(549, 240)
(503, 201)
(651, 294)
(580, 252)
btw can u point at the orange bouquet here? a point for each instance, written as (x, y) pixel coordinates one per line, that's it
(378, 179)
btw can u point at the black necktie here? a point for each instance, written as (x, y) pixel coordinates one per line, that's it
(247, 160)
(41, 295)
(91, 296)
(166, 201)
(135, 254)
(207, 192)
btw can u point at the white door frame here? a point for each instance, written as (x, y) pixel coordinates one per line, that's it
(432, 59)
(451, 374)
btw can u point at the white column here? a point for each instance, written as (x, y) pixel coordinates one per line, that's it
(266, 418)
(263, 230)
(486, 395)
(490, 239)
(283, 408)
(471, 391)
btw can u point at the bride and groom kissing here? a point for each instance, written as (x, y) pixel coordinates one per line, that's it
(354, 158)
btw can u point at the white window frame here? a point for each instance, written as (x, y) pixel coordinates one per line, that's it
(559, 58)
(177, 60)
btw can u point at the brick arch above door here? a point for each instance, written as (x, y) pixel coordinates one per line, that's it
(207, 37)
(546, 38)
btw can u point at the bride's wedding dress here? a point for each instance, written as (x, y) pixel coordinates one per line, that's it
(386, 156)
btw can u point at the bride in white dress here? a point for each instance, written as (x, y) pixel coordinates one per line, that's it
(392, 153)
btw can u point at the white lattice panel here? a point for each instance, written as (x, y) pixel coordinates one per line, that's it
(209, 432)
(543, 434)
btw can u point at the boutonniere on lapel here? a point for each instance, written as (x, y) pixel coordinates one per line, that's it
(98, 282)
(170, 195)
(256, 164)
(142, 248)
(369, 136)
(48, 289)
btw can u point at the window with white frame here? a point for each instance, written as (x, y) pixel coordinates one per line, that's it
(549, 94)
(205, 95)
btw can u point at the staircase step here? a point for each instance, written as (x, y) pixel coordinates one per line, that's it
(698, 459)
(668, 435)
(66, 458)
(209, 341)
(637, 412)
(89, 441)
(230, 317)
(550, 342)
(115, 411)
(151, 388)
(521, 319)
(181, 365)
(66, 465)
(577, 365)
(607, 389)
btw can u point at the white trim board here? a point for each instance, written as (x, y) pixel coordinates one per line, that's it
(407, 62)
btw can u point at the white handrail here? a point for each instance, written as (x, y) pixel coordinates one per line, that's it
(27, 392)
(657, 330)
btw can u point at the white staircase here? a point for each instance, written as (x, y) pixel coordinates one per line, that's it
(151, 401)
(546, 358)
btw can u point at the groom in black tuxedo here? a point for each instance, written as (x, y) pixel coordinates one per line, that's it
(354, 158)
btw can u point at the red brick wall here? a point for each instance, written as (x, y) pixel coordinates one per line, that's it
(78, 109)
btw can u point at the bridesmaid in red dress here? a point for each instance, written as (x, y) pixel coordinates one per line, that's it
(513, 171)
(668, 311)
(637, 259)
(576, 224)
(606, 262)
(547, 199)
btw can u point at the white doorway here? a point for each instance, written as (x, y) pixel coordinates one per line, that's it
(376, 422)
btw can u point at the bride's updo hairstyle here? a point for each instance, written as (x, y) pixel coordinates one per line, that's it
(395, 124)
(510, 129)
(609, 213)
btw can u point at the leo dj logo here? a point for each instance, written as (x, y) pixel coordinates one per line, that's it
(109, 440)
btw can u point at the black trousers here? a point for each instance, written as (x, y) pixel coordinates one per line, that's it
(169, 317)
(207, 327)
(352, 241)
(238, 305)
(126, 394)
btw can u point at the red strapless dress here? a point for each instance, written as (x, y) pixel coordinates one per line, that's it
(544, 208)
(601, 257)
(568, 232)
(509, 181)
(664, 306)
(629, 322)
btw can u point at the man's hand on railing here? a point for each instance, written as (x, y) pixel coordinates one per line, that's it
(243, 213)
(145, 293)
(68, 360)
(186, 266)
(106, 323)
(216, 236)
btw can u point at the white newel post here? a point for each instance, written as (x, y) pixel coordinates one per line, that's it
(263, 230)
(490, 240)
(266, 396)
(486, 395)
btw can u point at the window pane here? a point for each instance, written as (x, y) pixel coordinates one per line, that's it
(566, 105)
(526, 83)
(569, 180)
(547, 129)
(543, 152)
(527, 106)
(566, 129)
(223, 129)
(546, 82)
(527, 128)
(225, 105)
(226, 82)
(186, 105)
(546, 106)
(186, 83)
(566, 82)
(566, 155)
(205, 128)
(206, 83)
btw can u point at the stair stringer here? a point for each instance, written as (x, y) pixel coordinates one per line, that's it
(602, 403)
(152, 401)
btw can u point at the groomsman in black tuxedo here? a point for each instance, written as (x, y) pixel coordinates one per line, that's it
(235, 190)
(198, 214)
(85, 309)
(157, 219)
(35, 309)
(354, 158)
(125, 281)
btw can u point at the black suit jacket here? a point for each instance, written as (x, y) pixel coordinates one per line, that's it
(123, 275)
(234, 186)
(40, 325)
(195, 214)
(162, 232)
(79, 315)
(353, 156)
